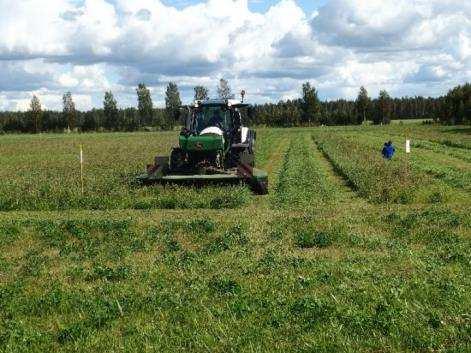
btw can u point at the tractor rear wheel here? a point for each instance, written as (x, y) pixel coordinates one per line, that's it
(177, 160)
(247, 158)
(260, 187)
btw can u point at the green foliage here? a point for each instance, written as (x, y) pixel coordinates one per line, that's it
(172, 103)
(200, 226)
(224, 90)
(36, 114)
(201, 93)
(318, 234)
(363, 106)
(110, 108)
(458, 105)
(184, 198)
(454, 108)
(310, 105)
(146, 199)
(9, 232)
(68, 110)
(383, 108)
(144, 105)
(234, 236)
(283, 114)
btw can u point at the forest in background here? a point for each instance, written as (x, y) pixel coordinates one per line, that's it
(453, 108)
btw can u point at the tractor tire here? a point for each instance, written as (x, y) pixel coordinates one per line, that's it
(177, 160)
(247, 157)
(251, 141)
(260, 188)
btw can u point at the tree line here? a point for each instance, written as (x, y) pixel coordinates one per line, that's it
(309, 110)
(109, 118)
(453, 108)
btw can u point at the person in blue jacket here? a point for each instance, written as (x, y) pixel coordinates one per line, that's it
(388, 150)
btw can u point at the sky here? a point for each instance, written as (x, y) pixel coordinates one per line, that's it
(268, 48)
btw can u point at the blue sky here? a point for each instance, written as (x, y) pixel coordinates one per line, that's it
(269, 48)
(260, 6)
(309, 6)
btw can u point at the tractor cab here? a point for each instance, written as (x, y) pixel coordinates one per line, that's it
(219, 117)
(214, 127)
(206, 117)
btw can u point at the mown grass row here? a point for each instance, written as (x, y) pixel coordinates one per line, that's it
(302, 182)
(134, 197)
(455, 178)
(83, 240)
(449, 164)
(449, 136)
(459, 153)
(293, 282)
(266, 140)
(454, 141)
(107, 274)
(401, 283)
(446, 164)
(375, 178)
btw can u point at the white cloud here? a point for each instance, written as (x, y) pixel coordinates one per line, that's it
(91, 46)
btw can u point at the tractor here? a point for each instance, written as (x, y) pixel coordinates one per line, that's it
(214, 147)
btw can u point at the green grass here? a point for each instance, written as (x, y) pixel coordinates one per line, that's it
(330, 261)
(302, 182)
(448, 166)
(42, 173)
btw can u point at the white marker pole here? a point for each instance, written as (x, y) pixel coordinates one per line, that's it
(81, 167)
(407, 146)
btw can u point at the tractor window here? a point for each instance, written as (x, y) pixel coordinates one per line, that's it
(212, 116)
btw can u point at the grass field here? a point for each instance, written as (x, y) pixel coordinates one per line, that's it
(348, 252)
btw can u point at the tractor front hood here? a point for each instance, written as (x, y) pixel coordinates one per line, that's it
(202, 143)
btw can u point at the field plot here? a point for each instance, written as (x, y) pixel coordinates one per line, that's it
(44, 174)
(348, 252)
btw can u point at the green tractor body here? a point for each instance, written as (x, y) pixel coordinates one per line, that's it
(206, 143)
(213, 147)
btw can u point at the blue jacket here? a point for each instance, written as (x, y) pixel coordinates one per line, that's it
(388, 151)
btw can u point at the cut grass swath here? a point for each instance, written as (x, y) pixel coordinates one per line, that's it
(375, 178)
(302, 182)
